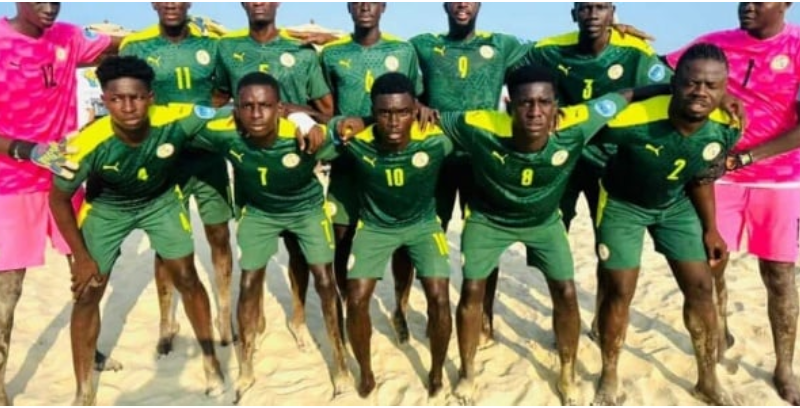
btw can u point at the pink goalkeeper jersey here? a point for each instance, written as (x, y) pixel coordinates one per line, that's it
(765, 75)
(38, 100)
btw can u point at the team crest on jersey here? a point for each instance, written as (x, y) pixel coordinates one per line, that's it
(657, 73)
(287, 60)
(780, 63)
(392, 63)
(603, 252)
(61, 54)
(615, 71)
(420, 160)
(331, 209)
(204, 112)
(606, 108)
(711, 151)
(290, 160)
(165, 150)
(351, 262)
(202, 57)
(559, 158)
(486, 52)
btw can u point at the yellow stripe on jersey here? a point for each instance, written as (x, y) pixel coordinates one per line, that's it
(347, 39)
(392, 38)
(165, 115)
(222, 124)
(417, 134)
(617, 39)
(572, 115)
(154, 31)
(244, 32)
(83, 213)
(656, 109)
(497, 123)
(90, 138)
(286, 129)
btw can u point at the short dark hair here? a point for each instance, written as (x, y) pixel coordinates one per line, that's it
(392, 83)
(529, 74)
(701, 51)
(260, 79)
(113, 68)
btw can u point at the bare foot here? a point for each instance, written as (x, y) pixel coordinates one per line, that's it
(243, 383)
(465, 391)
(714, 396)
(4, 399)
(366, 386)
(486, 338)
(400, 327)
(434, 385)
(606, 393)
(341, 383)
(302, 337)
(224, 328)
(568, 393)
(105, 363)
(594, 332)
(167, 335)
(215, 383)
(84, 399)
(787, 388)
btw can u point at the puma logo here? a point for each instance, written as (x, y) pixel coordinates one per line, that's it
(564, 69)
(370, 160)
(238, 56)
(656, 150)
(238, 156)
(439, 50)
(154, 61)
(114, 168)
(501, 158)
(345, 63)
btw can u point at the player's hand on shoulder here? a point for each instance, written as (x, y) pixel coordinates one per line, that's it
(54, 157)
(627, 29)
(309, 38)
(426, 116)
(312, 140)
(349, 127)
(734, 107)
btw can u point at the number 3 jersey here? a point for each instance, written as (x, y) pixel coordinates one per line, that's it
(185, 70)
(654, 162)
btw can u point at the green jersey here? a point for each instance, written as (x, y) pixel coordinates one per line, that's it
(397, 189)
(294, 65)
(465, 75)
(185, 71)
(655, 162)
(351, 69)
(627, 62)
(129, 177)
(278, 180)
(518, 189)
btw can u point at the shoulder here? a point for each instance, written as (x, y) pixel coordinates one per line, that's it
(432, 134)
(286, 129)
(148, 33)
(723, 119)
(234, 36)
(563, 40)
(424, 38)
(161, 116)
(337, 44)
(644, 112)
(494, 122)
(92, 138)
(632, 43)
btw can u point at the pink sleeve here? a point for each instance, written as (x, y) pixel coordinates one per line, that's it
(673, 57)
(89, 45)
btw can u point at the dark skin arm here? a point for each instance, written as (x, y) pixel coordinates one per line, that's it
(321, 110)
(112, 50)
(5, 145)
(219, 98)
(84, 269)
(703, 200)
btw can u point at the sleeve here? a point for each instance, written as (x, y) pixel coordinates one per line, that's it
(317, 86)
(673, 57)
(85, 167)
(126, 49)
(197, 120)
(456, 129)
(531, 55)
(215, 57)
(415, 72)
(208, 140)
(89, 45)
(651, 70)
(513, 49)
(593, 115)
(329, 149)
(326, 70)
(222, 79)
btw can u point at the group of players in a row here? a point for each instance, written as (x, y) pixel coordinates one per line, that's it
(409, 124)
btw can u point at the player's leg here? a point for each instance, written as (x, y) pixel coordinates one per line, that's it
(429, 251)
(481, 246)
(372, 249)
(169, 228)
(257, 236)
(298, 278)
(772, 215)
(315, 236)
(342, 208)
(620, 239)
(10, 291)
(549, 251)
(212, 192)
(403, 273)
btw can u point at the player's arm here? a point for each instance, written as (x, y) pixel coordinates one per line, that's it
(786, 142)
(702, 196)
(321, 99)
(455, 127)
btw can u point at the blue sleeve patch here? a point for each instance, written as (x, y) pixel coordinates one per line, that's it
(606, 108)
(657, 73)
(90, 35)
(204, 112)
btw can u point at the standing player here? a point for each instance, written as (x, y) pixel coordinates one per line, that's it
(264, 48)
(764, 198)
(397, 165)
(652, 183)
(593, 61)
(185, 60)
(37, 106)
(351, 66)
(463, 70)
(278, 192)
(126, 160)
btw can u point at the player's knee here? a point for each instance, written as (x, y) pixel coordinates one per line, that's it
(564, 293)
(184, 277)
(779, 278)
(357, 300)
(249, 283)
(472, 293)
(323, 280)
(90, 298)
(218, 235)
(439, 300)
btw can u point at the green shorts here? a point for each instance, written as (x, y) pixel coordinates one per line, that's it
(585, 178)
(676, 232)
(547, 247)
(374, 246)
(456, 178)
(164, 220)
(205, 176)
(343, 202)
(258, 233)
